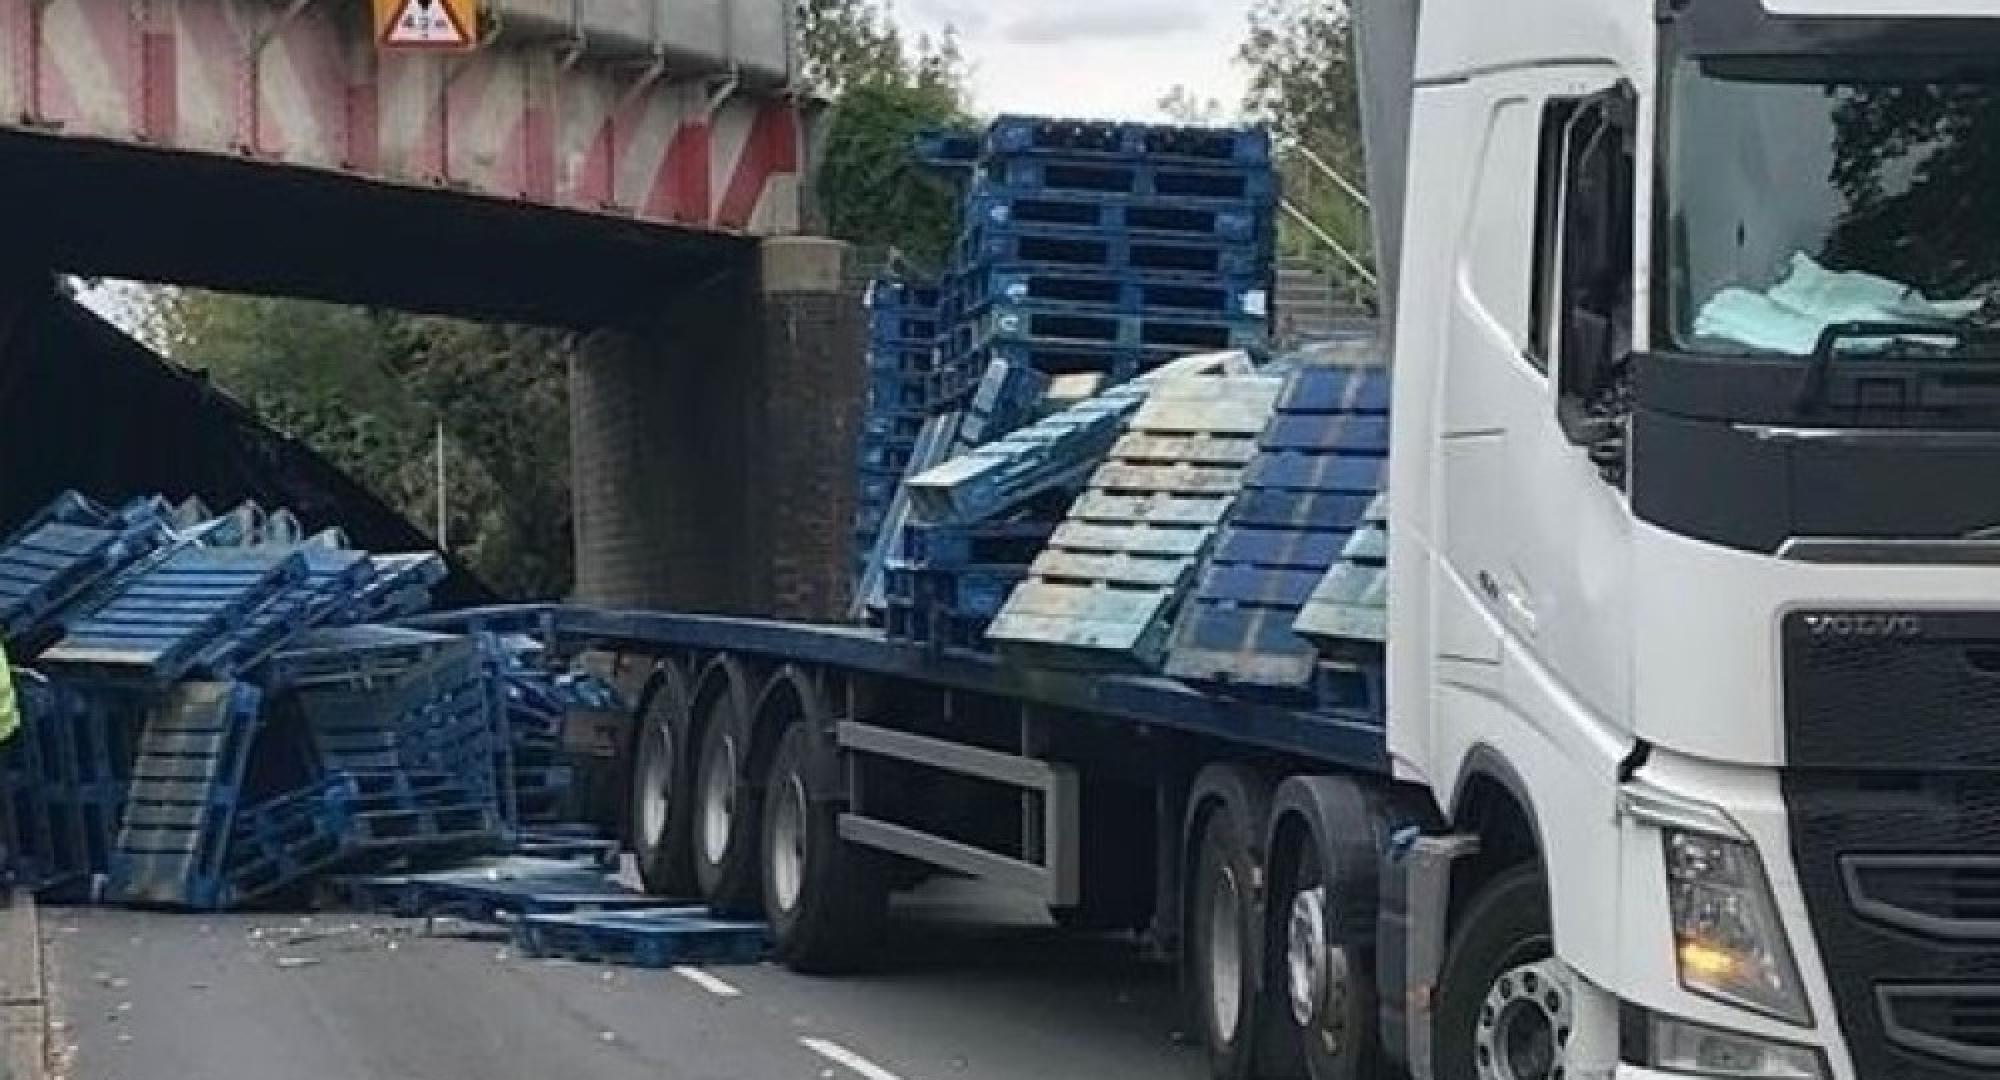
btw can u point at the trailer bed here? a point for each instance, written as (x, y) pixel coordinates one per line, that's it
(1346, 737)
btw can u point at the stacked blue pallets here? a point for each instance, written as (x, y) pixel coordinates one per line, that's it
(212, 717)
(1087, 250)
(903, 327)
(1109, 247)
(64, 781)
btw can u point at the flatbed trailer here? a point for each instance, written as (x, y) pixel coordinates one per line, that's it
(1044, 735)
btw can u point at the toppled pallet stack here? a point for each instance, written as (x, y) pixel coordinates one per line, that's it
(1321, 462)
(1105, 591)
(213, 717)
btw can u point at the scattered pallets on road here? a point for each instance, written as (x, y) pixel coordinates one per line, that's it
(651, 938)
(209, 722)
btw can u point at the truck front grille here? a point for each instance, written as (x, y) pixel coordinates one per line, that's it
(1892, 784)
(1955, 898)
(1949, 1022)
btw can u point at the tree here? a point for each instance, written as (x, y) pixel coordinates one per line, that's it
(368, 388)
(1303, 85)
(844, 43)
(1914, 165)
(872, 193)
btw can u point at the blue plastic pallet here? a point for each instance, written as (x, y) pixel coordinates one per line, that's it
(187, 783)
(1118, 364)
(1069, 250)
(351, 656)
(63, 781)
(1054, 452)
(976, 591)
(554, 842)
(1039, 324)
(1118, 179)
(662, 937)
(901, 359)
(886, 455)
(898, 426)
(895, 393)
(44, 568)
(1347, 614)
(1006, 398)
(934, 445)
(160, 623)
(901, 328)
(333, 577)
(441, 714)
(1248, 297)
(887, 293)
(1208, 221)
(285, 841)
(399, 587)
(499, 889)
(1322, 462)
(1022, 135)
(939, 630)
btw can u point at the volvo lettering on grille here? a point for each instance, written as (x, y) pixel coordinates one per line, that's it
(1865, 625)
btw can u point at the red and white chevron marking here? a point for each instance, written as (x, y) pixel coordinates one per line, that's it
(303, 85)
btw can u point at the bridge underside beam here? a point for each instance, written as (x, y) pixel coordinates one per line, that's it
(116, 211)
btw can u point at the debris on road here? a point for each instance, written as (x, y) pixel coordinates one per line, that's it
(218, 710)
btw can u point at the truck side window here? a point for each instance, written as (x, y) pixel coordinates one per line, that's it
(1582, 301)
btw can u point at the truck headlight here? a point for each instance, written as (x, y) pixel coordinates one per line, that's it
(1669, 1044)
(1729, 942)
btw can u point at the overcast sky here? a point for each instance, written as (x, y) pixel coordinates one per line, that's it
(1090, 58)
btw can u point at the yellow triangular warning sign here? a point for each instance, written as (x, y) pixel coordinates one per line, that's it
(427, 24)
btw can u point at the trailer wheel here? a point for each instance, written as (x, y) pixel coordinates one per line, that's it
(662, 796)
(1326, 833)
(1225, 927)
(726, 820)
(826, 899)
(1505, 1002)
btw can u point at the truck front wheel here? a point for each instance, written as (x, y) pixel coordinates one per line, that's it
(1505, 1001)
(826, 899)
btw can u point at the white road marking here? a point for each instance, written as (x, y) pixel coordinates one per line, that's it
(708, 982)
(848, 1059)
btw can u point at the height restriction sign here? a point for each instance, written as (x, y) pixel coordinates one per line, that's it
(427, 24)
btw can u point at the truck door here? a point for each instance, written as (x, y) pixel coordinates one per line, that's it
(1540, 316)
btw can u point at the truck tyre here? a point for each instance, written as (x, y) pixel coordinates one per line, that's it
(826, 899)
(662, 793)
(727, 824)
(1504, 1000)
(1327, 836)
(1224, 916)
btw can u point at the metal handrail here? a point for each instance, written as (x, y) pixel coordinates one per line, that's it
(1354, 263)
(1346, 186)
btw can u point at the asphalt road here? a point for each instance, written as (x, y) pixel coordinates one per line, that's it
(966, 991)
